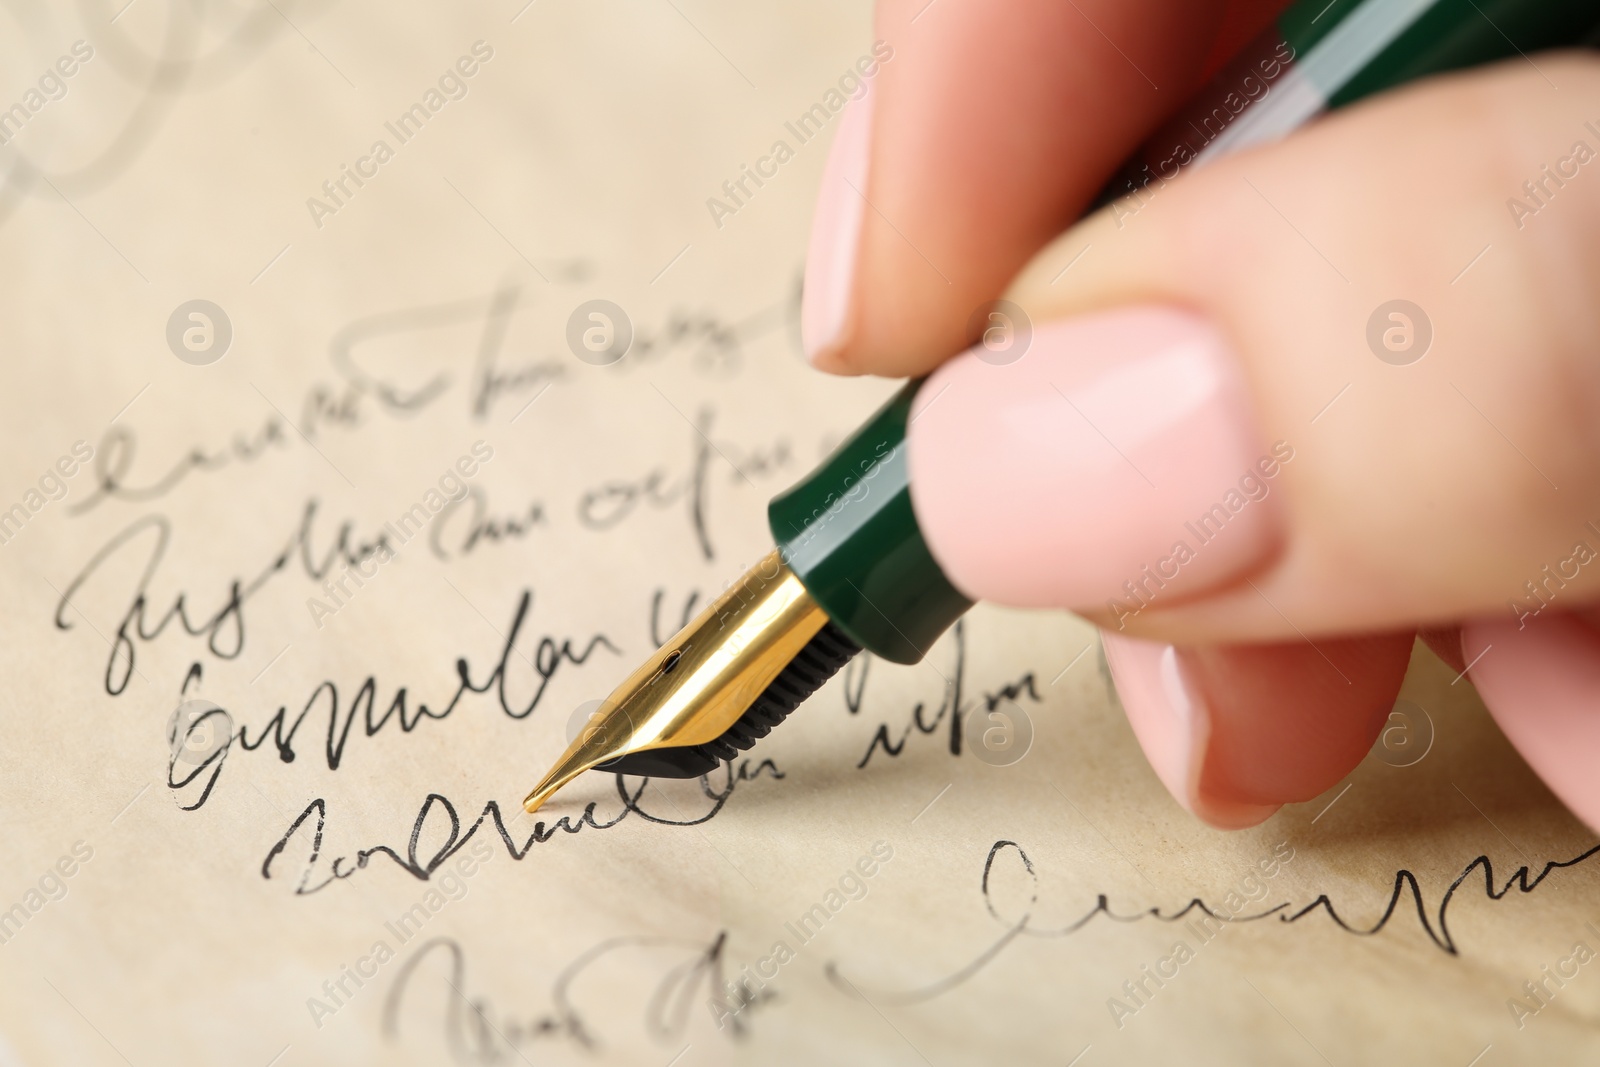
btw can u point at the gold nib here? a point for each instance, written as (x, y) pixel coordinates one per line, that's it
(698, 684)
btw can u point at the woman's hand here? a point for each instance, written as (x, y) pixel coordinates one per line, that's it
(1227, 442)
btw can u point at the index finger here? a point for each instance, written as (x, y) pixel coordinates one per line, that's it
(988, 129)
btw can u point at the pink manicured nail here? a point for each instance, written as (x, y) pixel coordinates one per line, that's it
(1172, 721)
(835, 231)
(1116, 465)
(1542, 684)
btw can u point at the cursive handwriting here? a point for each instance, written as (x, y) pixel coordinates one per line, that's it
(438, 815)
(323, 405)
(950, 710)
(718, 345)
(1435, 925)
(609, 504)
(223, 624)
(489, 381)
(475, 1030)
(464, 524)
(549, 654)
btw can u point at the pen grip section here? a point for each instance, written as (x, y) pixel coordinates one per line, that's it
(848, 532)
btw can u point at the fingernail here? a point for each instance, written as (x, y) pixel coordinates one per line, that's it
(1172, 720)
(1541, 682)
(1114, 466)
(835, 232)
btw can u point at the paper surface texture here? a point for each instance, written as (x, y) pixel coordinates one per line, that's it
(259, 811)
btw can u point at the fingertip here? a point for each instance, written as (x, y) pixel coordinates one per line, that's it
(1292, 719)
(1161, 725)
(992, 126)
(1172, 721)
(828, 296)
(835, 360)
(1236, 732)
(1114, 462)
(1540, 679)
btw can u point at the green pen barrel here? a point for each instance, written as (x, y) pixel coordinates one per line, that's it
(1447, 35)
(848, 533)
(1322, 55)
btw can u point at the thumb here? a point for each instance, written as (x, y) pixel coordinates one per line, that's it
(1345, 383)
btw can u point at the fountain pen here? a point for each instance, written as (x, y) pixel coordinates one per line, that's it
(850, 569)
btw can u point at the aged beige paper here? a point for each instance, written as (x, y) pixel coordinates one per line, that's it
(304, 584)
